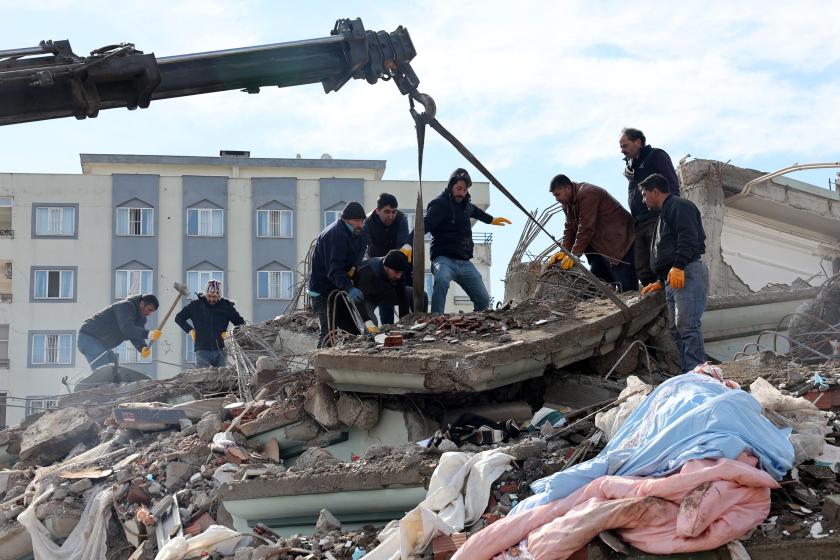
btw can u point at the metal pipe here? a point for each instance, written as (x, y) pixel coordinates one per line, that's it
(745, 190)
(25, 51)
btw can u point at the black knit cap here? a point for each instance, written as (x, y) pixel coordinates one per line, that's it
(459, 174)
(353, 211)
(396, 260)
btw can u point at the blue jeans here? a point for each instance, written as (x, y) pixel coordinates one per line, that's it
(210, 358)
(623, 273)
(465, 274)
(94, 351)
(685, 307)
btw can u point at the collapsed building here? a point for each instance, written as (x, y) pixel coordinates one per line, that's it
(297, 453)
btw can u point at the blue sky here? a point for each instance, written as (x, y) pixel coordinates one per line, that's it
(532, 88)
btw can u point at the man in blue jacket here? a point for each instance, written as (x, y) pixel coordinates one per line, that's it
(338, 252)
(448, 220)
(124, 320)
(676, 250)
(210, 315)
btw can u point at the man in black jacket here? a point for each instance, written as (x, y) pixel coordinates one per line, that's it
(448, 220)
(338, 252)
(642, 161)
(381, 281)
(676, 250)
(124, 320)
(210, 314)
(387, 229)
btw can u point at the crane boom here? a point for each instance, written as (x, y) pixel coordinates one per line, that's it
(50, 81)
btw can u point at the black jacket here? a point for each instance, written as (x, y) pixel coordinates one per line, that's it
(679, 237)
(378, 290)
(382, 238)
(649, 161)
(209, 321)
(117, 323)
(450, 226)
(337, 250)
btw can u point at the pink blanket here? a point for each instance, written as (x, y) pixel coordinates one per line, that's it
(708, 503)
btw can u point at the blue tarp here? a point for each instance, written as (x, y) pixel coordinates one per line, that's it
(691, 416)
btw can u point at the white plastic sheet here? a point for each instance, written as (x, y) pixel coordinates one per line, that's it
(216, 539)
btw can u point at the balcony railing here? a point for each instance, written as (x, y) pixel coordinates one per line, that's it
(5, 298)
(482, 238)
(7, 233)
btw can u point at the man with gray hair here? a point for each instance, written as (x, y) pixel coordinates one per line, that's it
(642, 161)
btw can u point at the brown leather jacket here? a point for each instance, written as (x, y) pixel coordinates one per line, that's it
(597, 223)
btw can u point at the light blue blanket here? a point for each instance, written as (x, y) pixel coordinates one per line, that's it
(691, 416)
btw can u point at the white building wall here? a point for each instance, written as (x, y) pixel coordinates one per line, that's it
(91, 252)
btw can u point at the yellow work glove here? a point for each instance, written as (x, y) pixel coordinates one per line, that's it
(652, 287)
(371, 328)
(555, 257)
(192, 334)
(566, 263)
(676, 278)
(154, 335)
(145, 352)
(351, 272)
(224, 334)
(406, 250)
(500, 221)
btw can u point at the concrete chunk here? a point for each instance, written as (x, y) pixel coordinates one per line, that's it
(327, 522)
(55, 434)
(358, 412)
(315, 457)
(320, 404)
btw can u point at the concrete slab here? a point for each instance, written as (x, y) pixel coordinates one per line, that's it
(477, 364)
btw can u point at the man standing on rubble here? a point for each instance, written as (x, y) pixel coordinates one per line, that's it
(642, 161)
(676, 250)
(448, 220)
(387, 229)
(124, 320)
(210, 314)
(338, 252)
(381, 280)
(596, 226)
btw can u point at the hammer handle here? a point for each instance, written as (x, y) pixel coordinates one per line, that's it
(168, 313)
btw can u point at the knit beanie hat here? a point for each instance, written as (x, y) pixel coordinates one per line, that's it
(213, 287)
(459, 174)
(396, 260)
(353, 211)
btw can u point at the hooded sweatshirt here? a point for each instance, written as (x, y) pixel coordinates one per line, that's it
(450, 226)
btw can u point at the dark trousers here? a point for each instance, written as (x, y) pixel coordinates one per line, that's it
(623, 273)
(644, 236)
(343, 320)
(386, 311)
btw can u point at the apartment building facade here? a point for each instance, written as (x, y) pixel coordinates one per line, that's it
(72, 244)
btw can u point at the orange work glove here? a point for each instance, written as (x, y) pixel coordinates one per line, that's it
(652, 287)
(676, 278)
(500, 221)
(407, 251)
(145, 352)
(154, 335)
(192, 334)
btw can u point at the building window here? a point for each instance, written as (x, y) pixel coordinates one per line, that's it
(52, 349)
(275, 284)
(133, 283)
(55, 221)
(6, 204)
(4, 346)
(205, 222)
(129, 355)
(410, 215)
(197, 279)
(135, 221)
(428, 283)
(331, 216)
(274, 223)
(36, 404)
(54, 284)
(189, 349)
(6, 281)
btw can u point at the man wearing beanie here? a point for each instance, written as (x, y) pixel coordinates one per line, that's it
(448, 221)
(210, 315)
(381, 281)
(338, 252)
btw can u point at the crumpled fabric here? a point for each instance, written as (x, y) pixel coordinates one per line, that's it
(708, 503)
(458, 493)
(610, 421)
(87, 541)
(690, 416)
(216, 539)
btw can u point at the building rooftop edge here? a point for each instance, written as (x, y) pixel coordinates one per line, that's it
(228, 161)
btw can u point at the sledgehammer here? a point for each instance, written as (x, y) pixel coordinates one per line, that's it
(182, 291)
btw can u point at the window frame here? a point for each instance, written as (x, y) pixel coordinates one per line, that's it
(336, 212)
(31, 363)
(31, 399)
(129, 209)
(128, 272)
(34, 298)
(129, 355)
(199, 211)
(4, 362)
(291, 287)
(55, 206)
(200, 286)
(281, 212)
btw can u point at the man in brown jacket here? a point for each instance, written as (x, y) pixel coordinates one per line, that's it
(600, 228)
